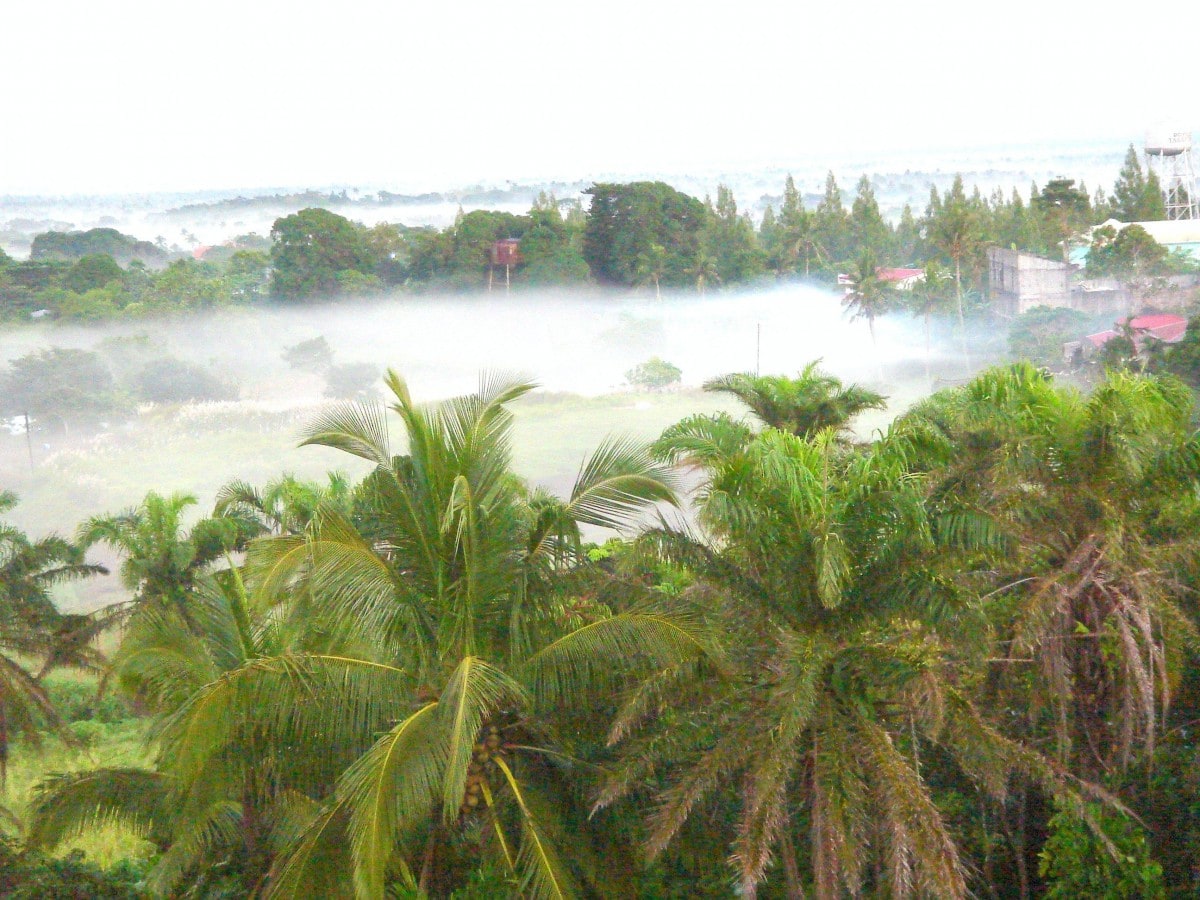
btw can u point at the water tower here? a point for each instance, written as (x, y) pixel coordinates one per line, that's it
(1169, 155)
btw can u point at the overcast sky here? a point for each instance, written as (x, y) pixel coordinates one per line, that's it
(141, 96)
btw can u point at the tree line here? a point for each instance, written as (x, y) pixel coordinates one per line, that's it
(639, 235)
(958, 659)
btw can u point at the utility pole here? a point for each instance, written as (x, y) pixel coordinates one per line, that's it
(29, 442)
(758, 350)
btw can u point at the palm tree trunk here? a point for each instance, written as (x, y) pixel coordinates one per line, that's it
(928, 374)
(962, 324)
(427, 862)
(875, 346)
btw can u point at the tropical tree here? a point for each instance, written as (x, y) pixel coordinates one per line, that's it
(929, 296)
(161, 558)
(825, 573)
(804, 405)
(32, 628)
(868, 298)
(1093, 500)
(213, 794)
(433, 636)
(650, 266)
(955, 227)
(284, 505)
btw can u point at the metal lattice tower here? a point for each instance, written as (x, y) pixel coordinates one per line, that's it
(1169, 156)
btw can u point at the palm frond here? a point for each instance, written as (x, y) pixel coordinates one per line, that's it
(359, 429)
(63, 806)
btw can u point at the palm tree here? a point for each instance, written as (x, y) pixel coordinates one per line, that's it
(828, 578)
(31, 627)
(804, 405)
(285, 505)
(433, 636)
(1093, 498)
(651, 266)
(955, 230)
(868, 298)
(704, 270)
(928, 297)
(162, 560)
(214, 793)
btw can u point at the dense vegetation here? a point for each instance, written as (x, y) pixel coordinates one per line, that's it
(959, 659)
(641, 235)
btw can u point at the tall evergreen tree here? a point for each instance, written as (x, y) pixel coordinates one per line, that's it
(831, 224)
(870, 232)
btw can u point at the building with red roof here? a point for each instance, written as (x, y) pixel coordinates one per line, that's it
(1164, 327)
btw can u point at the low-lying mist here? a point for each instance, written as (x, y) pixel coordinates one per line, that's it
(577, 346)
(577, 343)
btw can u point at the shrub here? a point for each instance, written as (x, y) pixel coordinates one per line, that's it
(169, 380)
(654, 373)
(350, 381)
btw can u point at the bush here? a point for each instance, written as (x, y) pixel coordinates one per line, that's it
(77, 700)
(1076, 863)
(1039, 334)
(27, 875)
(61, 383)
(654, 373)
(350, 381)
(310, 356)
(169, 380)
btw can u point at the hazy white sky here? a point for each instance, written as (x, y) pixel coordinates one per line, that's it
(139, 96)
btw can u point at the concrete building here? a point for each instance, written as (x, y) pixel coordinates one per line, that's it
(1020, 281)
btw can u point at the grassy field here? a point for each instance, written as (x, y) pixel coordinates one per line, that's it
(105, 734)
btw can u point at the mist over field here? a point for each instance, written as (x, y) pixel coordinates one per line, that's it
(578, 347)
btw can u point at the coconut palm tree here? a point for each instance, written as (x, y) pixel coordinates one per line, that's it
(930, 296)
(459, 569)
(868, 298)
(650, 266)
(433, 637)
(32, 628)
(285, 505)
(704, 270)
(217, 800)
(956, 230)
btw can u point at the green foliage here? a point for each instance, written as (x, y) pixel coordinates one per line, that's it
(75, 245)
(654, 374)
(92, 272)
(312, 249)
(552, 247)
(805, 405)
(1131, 254)
(1183, 358)
(1038, 334)
(76, 699)
(1065, 211)
(633, 229)
(313, 355)
(1136, 197)
(1077, 863)
(64, 384)
(28, 875)
(170, 380)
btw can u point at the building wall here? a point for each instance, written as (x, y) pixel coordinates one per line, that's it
(1020, 281)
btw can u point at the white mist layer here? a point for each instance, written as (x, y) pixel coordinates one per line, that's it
(576, 343)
